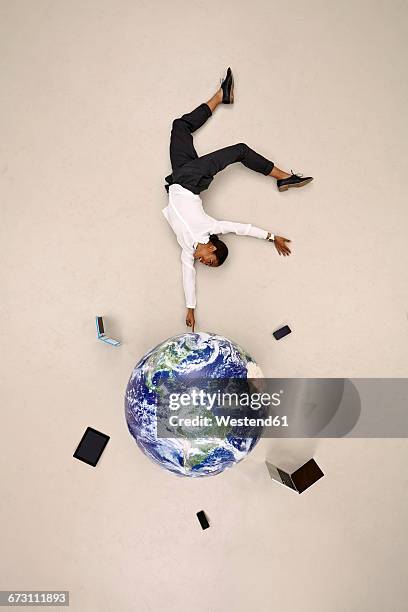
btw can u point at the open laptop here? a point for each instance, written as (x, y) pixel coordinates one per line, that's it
(299, 481)
(101, 333)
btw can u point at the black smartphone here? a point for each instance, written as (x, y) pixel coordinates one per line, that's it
(91, 446)
(203, 519)
(282, 332)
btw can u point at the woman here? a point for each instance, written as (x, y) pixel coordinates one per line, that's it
(197, 232)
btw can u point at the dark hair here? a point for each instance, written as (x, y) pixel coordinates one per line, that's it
(222, 250)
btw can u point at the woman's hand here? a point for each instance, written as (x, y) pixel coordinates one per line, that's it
(190, 320)
(280, 245)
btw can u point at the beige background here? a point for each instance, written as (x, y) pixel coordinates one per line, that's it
(89, 90)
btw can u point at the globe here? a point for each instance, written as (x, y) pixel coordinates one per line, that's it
(182, 360)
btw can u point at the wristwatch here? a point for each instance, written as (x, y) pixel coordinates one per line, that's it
(270, 237)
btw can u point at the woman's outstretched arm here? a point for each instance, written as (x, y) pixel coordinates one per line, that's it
(241, 229)
(246, 229)
(189, 277)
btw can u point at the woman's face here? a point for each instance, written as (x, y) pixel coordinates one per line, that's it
(207, 255)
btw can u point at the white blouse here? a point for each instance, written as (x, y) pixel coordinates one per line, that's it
(191, 225)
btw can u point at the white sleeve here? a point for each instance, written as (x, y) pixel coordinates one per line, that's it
(189, 275)
(242, 229)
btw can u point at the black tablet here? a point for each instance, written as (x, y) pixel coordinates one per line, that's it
(91, 446)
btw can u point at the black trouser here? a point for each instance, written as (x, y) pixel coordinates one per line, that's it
(196, 173)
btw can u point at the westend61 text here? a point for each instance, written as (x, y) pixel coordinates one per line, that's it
(228, 421)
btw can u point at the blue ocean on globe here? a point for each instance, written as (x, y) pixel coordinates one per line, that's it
(178, 359)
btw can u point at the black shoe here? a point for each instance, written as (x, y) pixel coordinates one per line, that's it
(295, 180)
(227, 86)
